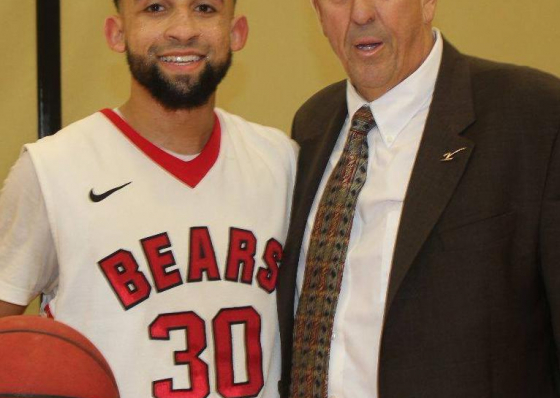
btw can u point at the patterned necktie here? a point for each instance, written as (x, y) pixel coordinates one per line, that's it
(325, 263)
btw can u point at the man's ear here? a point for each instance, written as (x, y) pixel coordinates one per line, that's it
(239, 32)
(317, 7)
(429, 10)
(114, 34)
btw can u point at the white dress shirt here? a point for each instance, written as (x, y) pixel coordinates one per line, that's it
(401, 116)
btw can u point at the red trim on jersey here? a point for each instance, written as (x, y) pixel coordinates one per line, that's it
(48, 312)
(190, 172)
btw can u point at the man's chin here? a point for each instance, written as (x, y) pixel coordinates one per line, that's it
(176, 90)
(182, 81)
(175, 95)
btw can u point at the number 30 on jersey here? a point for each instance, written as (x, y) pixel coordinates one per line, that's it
(195, 337)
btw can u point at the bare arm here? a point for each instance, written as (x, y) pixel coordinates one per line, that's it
(7, 309)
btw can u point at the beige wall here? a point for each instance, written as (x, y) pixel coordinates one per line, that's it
(287, 58)
(268, 80)
(520, 32)
(18, 80)
(93, 76)
(285, 61)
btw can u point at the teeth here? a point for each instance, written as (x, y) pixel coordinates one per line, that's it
(181, 59)
(367, 46)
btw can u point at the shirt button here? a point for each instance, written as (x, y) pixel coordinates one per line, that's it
(390, 139)
(333, 337)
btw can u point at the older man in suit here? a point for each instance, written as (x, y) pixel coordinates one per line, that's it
(424, 251)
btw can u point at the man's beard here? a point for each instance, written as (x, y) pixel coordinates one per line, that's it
(182, 92)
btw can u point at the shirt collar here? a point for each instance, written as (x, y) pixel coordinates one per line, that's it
(394, 110)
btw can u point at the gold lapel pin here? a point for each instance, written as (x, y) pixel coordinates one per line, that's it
(449, 156)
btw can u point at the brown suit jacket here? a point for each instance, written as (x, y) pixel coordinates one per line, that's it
(473, 306)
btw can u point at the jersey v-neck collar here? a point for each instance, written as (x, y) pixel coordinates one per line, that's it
(190, 172)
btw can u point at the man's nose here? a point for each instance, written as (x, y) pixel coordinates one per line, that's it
(182, 27)
(363, 11)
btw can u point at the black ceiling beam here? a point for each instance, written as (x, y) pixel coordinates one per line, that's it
(48, 67)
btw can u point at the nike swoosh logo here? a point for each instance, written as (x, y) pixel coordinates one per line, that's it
(98, 198)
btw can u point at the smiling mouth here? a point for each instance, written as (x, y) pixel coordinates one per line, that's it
(181, 59)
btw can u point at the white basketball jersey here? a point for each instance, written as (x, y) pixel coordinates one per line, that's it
(169, 267)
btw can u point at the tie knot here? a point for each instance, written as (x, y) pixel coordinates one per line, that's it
(363, 121)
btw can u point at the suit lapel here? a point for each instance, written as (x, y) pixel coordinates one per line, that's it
(317, 134)
(432, 181)
(315, 152)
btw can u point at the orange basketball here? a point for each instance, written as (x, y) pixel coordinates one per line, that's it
(42, 357)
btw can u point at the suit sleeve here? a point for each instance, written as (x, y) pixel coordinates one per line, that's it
(28, 264)
(296, 134)
(550, 239)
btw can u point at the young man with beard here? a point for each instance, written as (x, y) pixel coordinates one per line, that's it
(156, 228)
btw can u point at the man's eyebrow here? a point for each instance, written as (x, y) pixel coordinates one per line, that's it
(138, 1)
